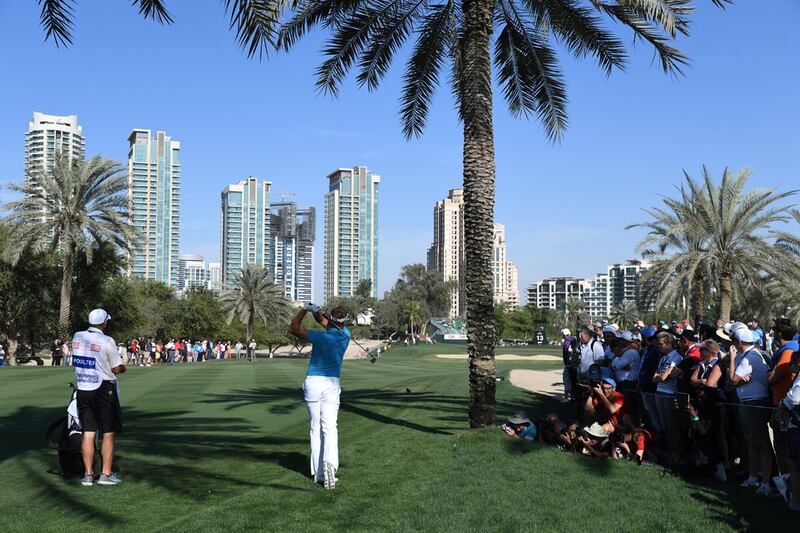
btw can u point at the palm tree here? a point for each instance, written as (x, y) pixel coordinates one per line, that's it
(729, 226)
(681, 277)
(366, 35)
(413, 311)
(573, 315)
(257, 296)
(624, 313)
(67, 211)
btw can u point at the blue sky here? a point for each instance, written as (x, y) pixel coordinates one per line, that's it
(564, 206)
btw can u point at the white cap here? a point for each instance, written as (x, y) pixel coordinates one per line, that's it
(745, 335)
(615, 327)
(627, 335)
(98, 316)
(565, 331)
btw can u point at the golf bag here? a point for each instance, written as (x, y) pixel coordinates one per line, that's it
(69, 439)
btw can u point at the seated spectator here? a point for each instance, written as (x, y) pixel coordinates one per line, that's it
(520, 426)
(630, 442)
(594, 441)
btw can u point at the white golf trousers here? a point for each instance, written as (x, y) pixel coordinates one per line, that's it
(322, 398)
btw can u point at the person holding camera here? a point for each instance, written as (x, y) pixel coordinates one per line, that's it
(321, 389)
(520, 427)
(568, 354)
(605, 405)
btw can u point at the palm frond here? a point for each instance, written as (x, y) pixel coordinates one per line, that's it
(528, 72)
(580, 30)
(56, 19)
(256, 23)
(387, 38)
(672, 60)
(424, 65)
(154, 9)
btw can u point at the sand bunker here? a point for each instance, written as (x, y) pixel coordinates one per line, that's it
(505, 357)
(544, 382)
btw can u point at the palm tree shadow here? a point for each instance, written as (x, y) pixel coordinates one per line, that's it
(362, 402)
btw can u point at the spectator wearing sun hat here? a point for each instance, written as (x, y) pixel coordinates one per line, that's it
(520, 427)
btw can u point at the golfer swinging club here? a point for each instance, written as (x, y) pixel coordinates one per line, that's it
(321, 388)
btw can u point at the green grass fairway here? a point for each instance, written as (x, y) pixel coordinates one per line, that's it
(222, 446)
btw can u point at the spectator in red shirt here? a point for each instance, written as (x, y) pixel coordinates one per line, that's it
(605, 405)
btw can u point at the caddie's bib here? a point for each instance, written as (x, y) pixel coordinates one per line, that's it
(90, 360)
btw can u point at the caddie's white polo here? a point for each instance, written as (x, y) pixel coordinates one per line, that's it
(94, 354)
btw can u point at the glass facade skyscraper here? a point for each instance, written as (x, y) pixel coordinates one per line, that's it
(292, 250)
(154, 201)
(351, 231)
(245, 237)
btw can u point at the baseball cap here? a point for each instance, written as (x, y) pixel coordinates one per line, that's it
(610, 381)
(565, 332)
(98, 316)
(688, 335)
(627, 335)
(608, 329)
(745, 335)
(649, 331)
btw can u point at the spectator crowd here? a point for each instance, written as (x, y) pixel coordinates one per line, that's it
(717, 401)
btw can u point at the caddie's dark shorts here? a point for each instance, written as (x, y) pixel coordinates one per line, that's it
(99, 409)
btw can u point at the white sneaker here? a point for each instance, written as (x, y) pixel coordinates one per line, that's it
(148, 365)
(330, 476)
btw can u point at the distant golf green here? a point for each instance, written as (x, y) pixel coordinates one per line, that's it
(222, 446)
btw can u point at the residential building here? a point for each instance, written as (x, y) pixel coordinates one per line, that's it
(154, 201)
(552, 293)
(292, 250)
(506, 288)
(215, 276)
(620, 281)
(446, 254)
(351, 232)
(193, 272)
(245, 238)
(47, 136)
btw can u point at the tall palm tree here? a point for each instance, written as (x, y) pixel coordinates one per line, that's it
(413, 311)
(68, 210)
(625, 313)
(730, 226)
(519, 36)
(680, 277)
(256, 296)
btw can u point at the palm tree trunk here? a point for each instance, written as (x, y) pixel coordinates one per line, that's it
(66, 295)
(698, 299)
(479, 175)
(725, 297)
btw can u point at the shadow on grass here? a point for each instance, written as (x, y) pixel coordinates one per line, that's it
(169, 450)
(368, 403)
